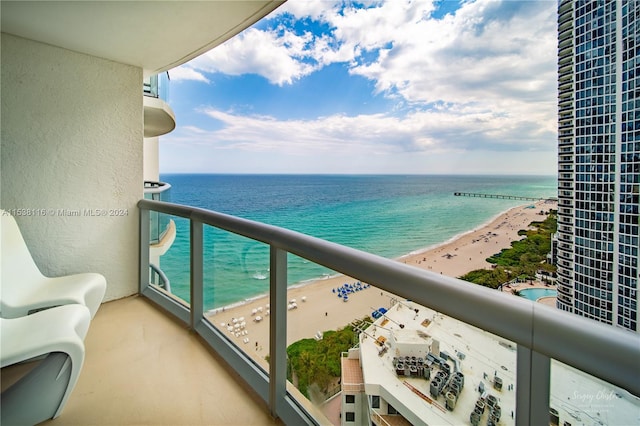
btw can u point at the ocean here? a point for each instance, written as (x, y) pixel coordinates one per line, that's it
(388, 215)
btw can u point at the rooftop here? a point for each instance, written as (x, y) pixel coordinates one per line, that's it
(478, 355)
(410, 330)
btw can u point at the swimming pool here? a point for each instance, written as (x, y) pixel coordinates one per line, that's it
(536, 293)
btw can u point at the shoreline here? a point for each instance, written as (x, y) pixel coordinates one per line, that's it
(459, 235)
(318, 308)
(411, 256)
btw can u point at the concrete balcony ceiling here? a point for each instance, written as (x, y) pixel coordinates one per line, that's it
(155, 36)
(159, 118)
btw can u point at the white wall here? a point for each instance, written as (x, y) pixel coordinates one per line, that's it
(151, 170)
(72, 134)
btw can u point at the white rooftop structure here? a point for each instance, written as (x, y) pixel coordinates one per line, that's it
(405, 353)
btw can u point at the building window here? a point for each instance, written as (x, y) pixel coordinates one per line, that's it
(375, 401)
(350, 399)
(350, 416)
(391, 410)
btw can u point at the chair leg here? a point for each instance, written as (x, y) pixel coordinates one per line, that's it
(36, 397)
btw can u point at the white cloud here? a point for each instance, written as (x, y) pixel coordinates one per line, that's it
(425, 142)
(185, 72)
(498, 53)
(448, 130)
(486, 52)
(478, 81)
(277, 55)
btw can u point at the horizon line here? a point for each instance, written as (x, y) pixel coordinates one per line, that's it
(354, 174)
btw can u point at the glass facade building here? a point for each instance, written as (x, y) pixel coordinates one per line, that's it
(599, 159)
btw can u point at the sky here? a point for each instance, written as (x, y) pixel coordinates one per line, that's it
(373, 87)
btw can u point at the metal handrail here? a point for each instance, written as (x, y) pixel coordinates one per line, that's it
(164, 280)
(595, 348)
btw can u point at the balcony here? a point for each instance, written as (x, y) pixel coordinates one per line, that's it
(159, 224)
(139, 362)
(157, 86)
(162, 233)
(540, 335)
(159, 118)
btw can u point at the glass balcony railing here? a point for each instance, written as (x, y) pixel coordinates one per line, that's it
(157, 86)
(159, 223)
(534, 341)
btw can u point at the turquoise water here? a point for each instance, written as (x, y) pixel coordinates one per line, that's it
(387, 215)
(536, 293)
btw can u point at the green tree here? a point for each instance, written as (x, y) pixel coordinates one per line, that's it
(524, 258)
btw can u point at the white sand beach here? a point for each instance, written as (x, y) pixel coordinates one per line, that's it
(319, 309)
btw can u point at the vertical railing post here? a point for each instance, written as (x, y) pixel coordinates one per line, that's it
(143, 277)
(277, 329)
(533, 374)
(197, 292)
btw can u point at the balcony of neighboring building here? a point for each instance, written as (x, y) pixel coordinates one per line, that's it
(565, 176)
(162, 228)
(159, 118)
(162, 233)
(566, 24)
(565, 88)
(566, 6)
(566, 150)
(566, 102)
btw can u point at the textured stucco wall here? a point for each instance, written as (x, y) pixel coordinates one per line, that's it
(72, 134)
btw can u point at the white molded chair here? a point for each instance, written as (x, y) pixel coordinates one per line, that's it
(42, 393)
(23, 288)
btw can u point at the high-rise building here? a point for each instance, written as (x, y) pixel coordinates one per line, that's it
(599, 159)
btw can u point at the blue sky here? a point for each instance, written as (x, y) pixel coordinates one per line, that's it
(375, 87)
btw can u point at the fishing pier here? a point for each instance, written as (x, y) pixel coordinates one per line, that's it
(504, 197)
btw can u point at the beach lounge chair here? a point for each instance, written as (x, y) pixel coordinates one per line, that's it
(57, 334)
(23, 288)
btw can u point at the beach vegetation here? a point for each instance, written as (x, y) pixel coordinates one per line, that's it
(522, 259)
(315, 364)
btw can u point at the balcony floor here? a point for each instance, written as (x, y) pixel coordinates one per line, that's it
(143, 367)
